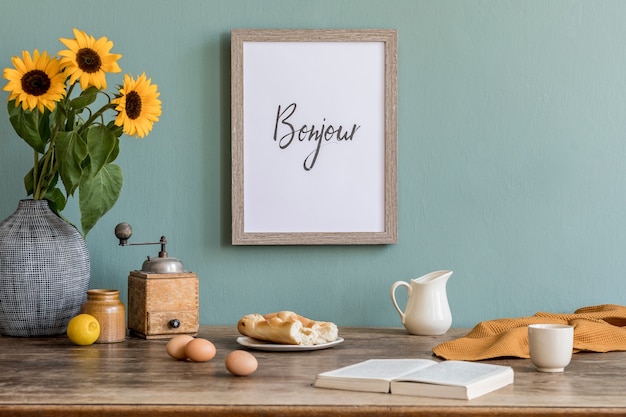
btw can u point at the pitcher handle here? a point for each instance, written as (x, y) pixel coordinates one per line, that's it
(393, 296)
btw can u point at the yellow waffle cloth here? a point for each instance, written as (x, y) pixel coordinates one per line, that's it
(596, 329)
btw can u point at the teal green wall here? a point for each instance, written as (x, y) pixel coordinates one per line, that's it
(511, 166)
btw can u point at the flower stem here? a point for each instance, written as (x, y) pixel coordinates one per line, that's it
(95, 115)
(48, 171)
(35, 175)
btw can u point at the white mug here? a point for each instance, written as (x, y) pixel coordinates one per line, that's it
(551, 346)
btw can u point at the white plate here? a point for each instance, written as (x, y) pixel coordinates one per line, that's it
(273, 347)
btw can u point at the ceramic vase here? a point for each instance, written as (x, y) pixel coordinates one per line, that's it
(106, 307)
(44, 271)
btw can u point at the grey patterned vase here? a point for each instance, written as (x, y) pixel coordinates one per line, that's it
(44, 271)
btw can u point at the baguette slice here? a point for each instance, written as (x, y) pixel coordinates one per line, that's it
(287, 327)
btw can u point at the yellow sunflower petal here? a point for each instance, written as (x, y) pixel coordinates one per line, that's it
(27, 60)
(81, 37)
(69, 43)
(18, 64)
(102, 44)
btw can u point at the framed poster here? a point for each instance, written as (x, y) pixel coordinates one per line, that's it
(314, 137)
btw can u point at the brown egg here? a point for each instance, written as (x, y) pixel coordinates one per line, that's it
(176, 346)
(200, 350)
(241, 363)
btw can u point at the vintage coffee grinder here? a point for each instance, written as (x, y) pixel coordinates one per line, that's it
(162, 296)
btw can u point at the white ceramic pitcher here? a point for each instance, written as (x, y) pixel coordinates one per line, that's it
(427, 311)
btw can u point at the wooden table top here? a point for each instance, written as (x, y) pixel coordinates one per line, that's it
(51, 377)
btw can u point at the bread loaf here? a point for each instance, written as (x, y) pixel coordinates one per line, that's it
(287, 327)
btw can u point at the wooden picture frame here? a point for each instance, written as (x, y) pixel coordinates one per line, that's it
(314, 137)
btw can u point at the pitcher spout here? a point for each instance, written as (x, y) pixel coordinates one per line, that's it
(438, 276)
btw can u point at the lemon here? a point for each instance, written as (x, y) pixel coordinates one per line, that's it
(83, 329)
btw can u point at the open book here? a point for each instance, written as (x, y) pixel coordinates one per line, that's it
(421, 377)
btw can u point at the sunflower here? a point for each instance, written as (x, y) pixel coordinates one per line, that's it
(35, 82)
(88, 59)
(138, 106)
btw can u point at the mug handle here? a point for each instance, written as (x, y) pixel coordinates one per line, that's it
(393, 295)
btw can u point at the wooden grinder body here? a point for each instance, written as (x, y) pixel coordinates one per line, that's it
(157, 300)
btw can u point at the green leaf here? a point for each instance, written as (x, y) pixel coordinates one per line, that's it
(47, 183)
(59, 114)
(70, 152)
(98, 193)
(116, 130)
(29, 182)
(26, 125)
(101, 142)
(115, 152)
(71, 120)
(56, 200)
(44, 125)
(84, 99)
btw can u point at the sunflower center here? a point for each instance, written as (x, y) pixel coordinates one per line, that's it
(35, 82)
(88, 60)
(133, 105)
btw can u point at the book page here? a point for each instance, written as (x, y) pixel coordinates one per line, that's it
(386, 369)
(454, 373)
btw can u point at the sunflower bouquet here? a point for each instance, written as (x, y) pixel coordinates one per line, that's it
(72, 141)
